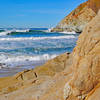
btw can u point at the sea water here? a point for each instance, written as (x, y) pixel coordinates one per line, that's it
(27, 48)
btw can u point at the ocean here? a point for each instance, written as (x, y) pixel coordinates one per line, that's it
(22, 49)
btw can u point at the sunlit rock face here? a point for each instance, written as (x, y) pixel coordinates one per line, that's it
(94, 5)
(94, 94)
(86, 62)
(78, 18)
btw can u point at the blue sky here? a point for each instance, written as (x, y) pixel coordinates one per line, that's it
(35, 13)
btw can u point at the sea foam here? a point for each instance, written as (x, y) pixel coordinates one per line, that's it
(12, 61)
(10, 31)
(36, 38)
(65, 32)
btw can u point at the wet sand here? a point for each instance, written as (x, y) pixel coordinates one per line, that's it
(5, 72)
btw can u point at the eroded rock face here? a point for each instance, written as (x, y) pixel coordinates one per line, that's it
(86, 61)
(94, 4)
(94, 94)
(78, 18)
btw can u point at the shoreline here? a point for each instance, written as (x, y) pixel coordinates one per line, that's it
(7, 72)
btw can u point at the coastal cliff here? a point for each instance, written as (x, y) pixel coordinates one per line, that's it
(86, 62)
(78, 18)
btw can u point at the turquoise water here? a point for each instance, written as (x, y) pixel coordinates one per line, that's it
(30, 48)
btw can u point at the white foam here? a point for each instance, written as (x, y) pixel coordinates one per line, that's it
(49, 30)
(65, 32)
(13, 61)
(14, 30)
(5, 33)
(27, 30)
(37, 38)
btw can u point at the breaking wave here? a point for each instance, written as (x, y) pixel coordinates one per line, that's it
(12, 61)
(37, 38)
(7, 32)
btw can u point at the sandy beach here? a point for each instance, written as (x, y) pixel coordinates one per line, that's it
(5, 72)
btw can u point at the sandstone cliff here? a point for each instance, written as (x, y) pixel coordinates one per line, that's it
(94, 5)
(86, 62)
(78, 18)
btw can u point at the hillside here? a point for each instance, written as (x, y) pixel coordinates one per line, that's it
(78, 18)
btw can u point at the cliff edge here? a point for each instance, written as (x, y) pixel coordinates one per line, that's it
(78, 18)
(86, 63)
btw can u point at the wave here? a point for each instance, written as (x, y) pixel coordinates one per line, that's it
(16, 31)
(2, 30)
(30, 50)
(8, 32)
(36, 30)
(65, 32)
(12, 61)
(5, 33)
(37, 38)
(49, 30)
(26, 30)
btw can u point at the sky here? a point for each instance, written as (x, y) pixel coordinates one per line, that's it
(35, 13)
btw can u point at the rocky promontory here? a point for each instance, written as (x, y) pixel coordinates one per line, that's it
(78, 18)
